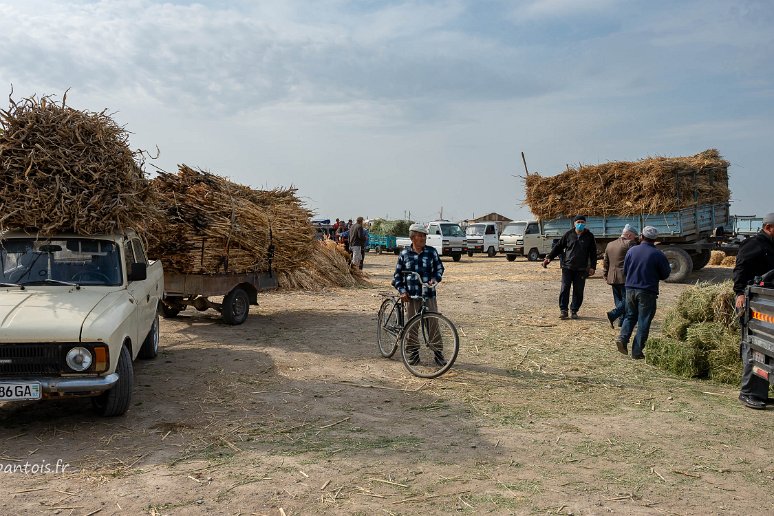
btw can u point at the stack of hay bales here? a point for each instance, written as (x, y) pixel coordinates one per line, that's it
(212, 225)
(64, 170)
(652, 185)
(700, 335)
(720, 258)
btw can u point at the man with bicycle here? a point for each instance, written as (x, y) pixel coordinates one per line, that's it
(423, 260)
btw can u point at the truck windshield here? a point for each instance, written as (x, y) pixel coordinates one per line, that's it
(451, 230)
(514, 229)
(475, 230)
(84, 261)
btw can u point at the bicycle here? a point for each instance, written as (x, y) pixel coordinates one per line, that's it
(428, 341)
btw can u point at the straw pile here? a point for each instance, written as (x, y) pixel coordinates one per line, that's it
(64, 170)
(652, 185)
(212, 225)
(700, 335)
(720, 258)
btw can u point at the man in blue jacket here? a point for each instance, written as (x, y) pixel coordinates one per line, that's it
(644, 267)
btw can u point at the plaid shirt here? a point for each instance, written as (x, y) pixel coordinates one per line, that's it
(427, 264)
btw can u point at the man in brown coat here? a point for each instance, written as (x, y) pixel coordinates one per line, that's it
(612, 271)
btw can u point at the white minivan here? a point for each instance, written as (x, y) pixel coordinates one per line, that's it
(525, 238)
(483, 237)
(447, 238)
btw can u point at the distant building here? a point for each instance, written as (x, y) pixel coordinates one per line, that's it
(501, 220)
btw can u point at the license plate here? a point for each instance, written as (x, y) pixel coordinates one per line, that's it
(456, 249)
(509, 248)
(758, 357)
(19, 391)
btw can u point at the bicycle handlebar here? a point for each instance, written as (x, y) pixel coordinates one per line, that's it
(425, 285)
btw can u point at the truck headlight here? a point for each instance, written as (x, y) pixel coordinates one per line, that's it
(79, 359)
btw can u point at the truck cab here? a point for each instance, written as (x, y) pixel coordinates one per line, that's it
(525, 238)
(483, 237)
(447, 238)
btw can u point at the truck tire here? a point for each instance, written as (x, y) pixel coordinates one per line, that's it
(701, 259)
(491, 252)
(510, 257)
(378, 249)
(470, 254)
(115, 402)
(456, 257)
(680, 263)
(533, 255)
(236, 306)
(150, 346)
(172, 306)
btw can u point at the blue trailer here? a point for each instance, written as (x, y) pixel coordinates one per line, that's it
(686, 237)
(382, 243)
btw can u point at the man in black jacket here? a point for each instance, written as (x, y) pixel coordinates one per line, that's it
(578, 251)
(755, 258)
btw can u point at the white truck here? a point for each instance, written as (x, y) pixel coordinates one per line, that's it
(447, 238)
(483, 237)
(75, 311)
(525, 238)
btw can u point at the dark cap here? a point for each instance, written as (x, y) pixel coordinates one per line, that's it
(579, 217)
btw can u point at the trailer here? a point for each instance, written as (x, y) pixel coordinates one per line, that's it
(239, 292)
(381, 243)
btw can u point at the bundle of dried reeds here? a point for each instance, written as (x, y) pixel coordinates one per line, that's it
(62, 169)
(652, 185)
(327, 266)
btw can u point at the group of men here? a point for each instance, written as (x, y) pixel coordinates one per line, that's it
(355, 239)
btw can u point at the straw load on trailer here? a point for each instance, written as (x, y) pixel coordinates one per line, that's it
(65, 170)
(212, 225)
(651, 185)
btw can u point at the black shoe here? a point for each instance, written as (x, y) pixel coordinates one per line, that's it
(563, 314)
(751, 402)
(638, 357)
(574, 315)
(413, 358)
(621, 346)
(440, 359)
(611, 319)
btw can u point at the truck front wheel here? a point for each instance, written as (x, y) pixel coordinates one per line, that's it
(456, 257)
(236, 306)
(510, 257)
(115, 402)
(679, 261)
(470, 254)
(491, 252)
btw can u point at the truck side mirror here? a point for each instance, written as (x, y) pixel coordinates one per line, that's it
(139, 272)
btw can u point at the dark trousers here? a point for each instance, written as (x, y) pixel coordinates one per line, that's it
(640, 309)
(576, 280)
(752, 385)
(619, 299)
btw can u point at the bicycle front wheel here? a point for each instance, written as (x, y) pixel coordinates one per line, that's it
(429, 345)
(387, 328)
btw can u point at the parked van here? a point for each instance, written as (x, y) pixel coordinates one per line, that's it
(483, 237)
(447, 238)
(525, 238)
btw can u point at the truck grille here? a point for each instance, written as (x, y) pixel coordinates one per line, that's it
(39, 359)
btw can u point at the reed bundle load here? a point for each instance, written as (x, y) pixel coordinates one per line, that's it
(651, 185)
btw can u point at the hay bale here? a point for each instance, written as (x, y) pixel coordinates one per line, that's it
(728, 261)
(651, 185)
(725, 365)
(64, 170)
(675, 356)
(716, 257)
(675, 325)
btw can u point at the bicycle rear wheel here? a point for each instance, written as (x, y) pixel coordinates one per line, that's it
(429, 345)
(387, 328)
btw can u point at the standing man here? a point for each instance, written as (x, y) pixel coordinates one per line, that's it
(644, 267)
(612, 271)
(356, 241)
(755, 258)
(578, 251)
(425, 261)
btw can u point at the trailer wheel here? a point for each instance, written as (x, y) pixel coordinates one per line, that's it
(378, 249)
(701, 259)
(456, 257)
(533, 255)
(510, 257)
(491, 252)
(236, 306)
(172, 306)
(115, 402)
(679, 261)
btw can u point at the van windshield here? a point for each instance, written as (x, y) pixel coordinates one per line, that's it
(515, 229)
(451, 230)
(475, 230)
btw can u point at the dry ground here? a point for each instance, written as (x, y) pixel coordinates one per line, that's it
(295, 412)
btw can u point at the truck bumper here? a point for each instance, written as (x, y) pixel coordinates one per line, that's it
(71, 385)
(512, 249)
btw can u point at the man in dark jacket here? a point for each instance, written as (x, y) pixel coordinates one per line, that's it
(612, 271)
(644, 267)
(578, 250)
(356, 241)
(755, 258)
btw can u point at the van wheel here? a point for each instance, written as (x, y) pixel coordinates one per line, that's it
(150, 346)
(533, 255)
(491, 252)
(236, 306)
(456, 257)
(115, 402)
(510, 257)
(470, 254)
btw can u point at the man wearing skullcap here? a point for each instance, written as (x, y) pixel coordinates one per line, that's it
(612, 271)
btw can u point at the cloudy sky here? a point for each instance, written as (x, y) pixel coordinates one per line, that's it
(380, 108)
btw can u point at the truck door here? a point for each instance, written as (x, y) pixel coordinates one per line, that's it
(150, 291)
(136, 296)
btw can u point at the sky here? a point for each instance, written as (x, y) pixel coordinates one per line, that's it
(389, 108)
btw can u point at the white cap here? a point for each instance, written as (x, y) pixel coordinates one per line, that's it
(650, 232)
(418, 228)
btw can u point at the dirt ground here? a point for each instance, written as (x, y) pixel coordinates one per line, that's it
(295, 412)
